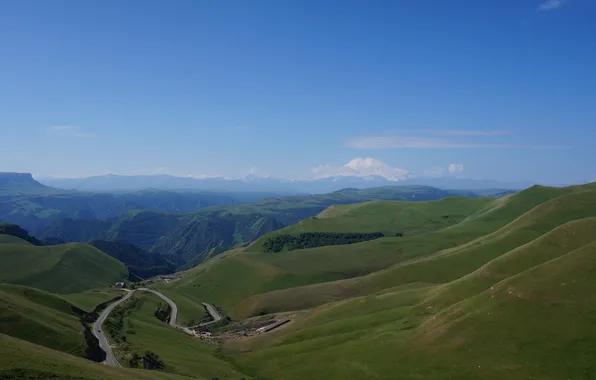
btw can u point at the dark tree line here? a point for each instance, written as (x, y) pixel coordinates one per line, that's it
(315, 239)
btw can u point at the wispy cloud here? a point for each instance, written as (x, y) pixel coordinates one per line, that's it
(468, 132)
(550, 5)
(70, 130)
(392, 142)
(450, 139)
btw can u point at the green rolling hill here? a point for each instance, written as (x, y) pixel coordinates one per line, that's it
(42, 318)
(457, 288)
(500, 288)
(526, 314)
(65, 268)
(9, 239)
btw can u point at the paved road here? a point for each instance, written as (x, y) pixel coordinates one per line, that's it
(213, 312)
(100, 335)
(103, 340)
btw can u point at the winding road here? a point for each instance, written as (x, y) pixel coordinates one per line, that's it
(104, 343)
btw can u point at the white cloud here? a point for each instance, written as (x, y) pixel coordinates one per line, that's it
(362, 167)
(69, 130)
(550, 5)
(455, 168)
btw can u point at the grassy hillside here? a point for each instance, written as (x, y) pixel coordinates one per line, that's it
(89, 299)
(474, 289)
(136, 330)
(26, 361)
(8, 239)
(67, 268)
(232, 278)
(41, 318)
(440, 265)
(528, 313)
(387, 217)
(249, 283)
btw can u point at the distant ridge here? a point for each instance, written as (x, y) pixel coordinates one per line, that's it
(114, 182)
(19, 182)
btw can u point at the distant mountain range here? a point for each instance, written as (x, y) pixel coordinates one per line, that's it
(186, 226)
(113, 182)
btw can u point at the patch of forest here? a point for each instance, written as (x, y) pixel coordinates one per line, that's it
(316, 239)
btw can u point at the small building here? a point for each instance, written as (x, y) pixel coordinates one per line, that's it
(120, 285)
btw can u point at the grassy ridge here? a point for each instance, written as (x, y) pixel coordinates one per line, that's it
(387, 217)
(41, 318)
(232, 279)
(66, 268)
(445, 265)
(527, 313)
(8, 239)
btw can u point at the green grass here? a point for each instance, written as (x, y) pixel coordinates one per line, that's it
(529, 313)
(8, 239)
(67, 268)
(41, 318)
(181, 353)
(89, 299)
(190, 310)
(387, 217)
(27, 361)
(233, 280)
(439, 265)
(501, 289)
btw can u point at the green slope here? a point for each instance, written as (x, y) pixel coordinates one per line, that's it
(8, 239)
(231, 280)
(41, 318)
(387, 217)
(67, 268)
(440, 263)
(26, 361)
(528, 313)
(90, 299)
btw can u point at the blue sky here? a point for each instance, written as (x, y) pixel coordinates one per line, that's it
(501, 89)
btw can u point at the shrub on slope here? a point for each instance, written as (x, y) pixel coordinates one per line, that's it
(306, 240)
